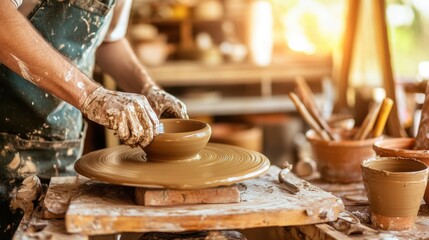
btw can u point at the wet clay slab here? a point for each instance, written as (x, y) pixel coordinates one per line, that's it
(98, 208)
(217, 165)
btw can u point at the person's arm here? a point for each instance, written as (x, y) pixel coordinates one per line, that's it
(25, 52)
(119, 61)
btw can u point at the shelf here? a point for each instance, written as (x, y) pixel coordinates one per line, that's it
(244, 105)
(187, 73)
(240, 88)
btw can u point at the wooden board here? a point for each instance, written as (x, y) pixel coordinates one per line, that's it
(98, 208)
(58, 196)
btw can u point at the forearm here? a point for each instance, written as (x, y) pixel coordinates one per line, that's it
(119, 61)
(25, 52)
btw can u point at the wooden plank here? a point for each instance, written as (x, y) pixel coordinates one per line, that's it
(98, 208)
(37, 227)
(58, 196)
(174, 74)
(316, 231)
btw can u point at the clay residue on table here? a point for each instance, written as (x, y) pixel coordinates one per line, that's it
(101, 209)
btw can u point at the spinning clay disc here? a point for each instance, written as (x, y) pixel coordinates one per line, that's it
(217, 165)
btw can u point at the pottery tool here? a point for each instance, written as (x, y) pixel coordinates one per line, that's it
(307, 98)
(386, 106)
(284, 183)
(368, 122)
(308, 118)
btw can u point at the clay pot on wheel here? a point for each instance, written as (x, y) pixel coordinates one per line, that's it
(404, 148)
(339, 161)
(395, 187)
(178, 139)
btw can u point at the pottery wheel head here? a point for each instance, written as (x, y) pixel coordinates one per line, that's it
(216, 165)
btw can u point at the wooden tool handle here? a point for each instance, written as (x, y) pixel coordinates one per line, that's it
(285, 184)
(307, 99)
(386, 106)
(307, 117)
(368, 122)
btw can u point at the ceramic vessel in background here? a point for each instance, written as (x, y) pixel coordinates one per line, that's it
(339, 161)
(178, 139)
(395, 187)
(404, 148)
(237, 134)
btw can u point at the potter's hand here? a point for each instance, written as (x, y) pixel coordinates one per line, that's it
(129, 115)
(164, 103)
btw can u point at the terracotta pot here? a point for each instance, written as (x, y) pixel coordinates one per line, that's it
(339, 161)
(404, 148)
(395, 187)
(178, 139)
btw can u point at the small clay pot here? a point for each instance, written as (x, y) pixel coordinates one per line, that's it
(339, 161)
(178, 139)
(395, 187)
(404, 148)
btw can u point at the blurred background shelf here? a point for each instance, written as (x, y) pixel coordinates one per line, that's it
(240, 88)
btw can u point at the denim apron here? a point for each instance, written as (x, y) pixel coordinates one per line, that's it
(39, 133)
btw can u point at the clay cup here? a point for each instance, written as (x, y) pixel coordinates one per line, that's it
(178, 139)
(404, 148)
(339, 160)
(395, 187)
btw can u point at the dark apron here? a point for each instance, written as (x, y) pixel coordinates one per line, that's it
(39, 133)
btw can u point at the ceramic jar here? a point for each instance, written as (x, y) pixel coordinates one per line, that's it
(339, 161)
(395, 187)
(404, 148)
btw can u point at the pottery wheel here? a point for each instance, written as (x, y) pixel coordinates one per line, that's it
(218, 164)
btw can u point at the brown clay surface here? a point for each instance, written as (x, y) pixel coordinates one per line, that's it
(217, 165)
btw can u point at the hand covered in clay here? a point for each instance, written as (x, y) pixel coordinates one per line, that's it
(164, 103)
(129, 115)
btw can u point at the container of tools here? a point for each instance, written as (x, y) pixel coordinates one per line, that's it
(339, 152)
(340, 160)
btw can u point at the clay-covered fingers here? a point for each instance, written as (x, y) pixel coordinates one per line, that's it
(129, 115)
(166, 105)
(138, 123)
(177, 109)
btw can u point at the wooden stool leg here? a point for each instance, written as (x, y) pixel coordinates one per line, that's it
(198, 235)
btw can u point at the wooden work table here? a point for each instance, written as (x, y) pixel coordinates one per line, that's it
(353, 197)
